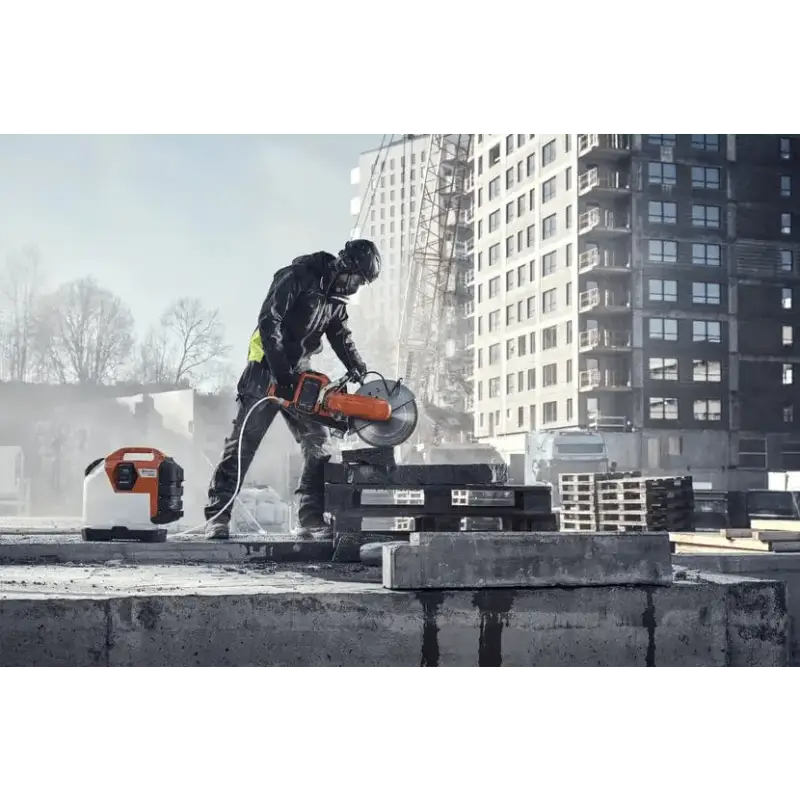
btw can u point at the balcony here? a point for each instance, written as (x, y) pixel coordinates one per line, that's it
(598, 341)
(604, 145)
(603, 380)
(603, 182)
(600, 221)
(459, 217)
(602, 261)
(608, 301)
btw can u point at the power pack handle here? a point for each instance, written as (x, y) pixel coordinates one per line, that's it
(130, 453)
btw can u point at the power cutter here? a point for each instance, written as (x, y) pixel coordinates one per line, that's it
(381, 412)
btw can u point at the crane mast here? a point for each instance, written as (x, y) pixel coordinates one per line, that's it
(434, 349)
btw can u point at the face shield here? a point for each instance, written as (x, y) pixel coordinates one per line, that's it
(346, 284)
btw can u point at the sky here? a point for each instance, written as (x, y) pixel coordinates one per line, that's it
(154, 218)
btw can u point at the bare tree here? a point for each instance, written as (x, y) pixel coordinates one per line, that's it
(185, 348)
(20, 299)
(85, 333)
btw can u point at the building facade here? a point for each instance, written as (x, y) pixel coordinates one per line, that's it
(386, 188)
(644, 285)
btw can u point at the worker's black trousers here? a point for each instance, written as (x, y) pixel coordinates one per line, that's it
(313, 440)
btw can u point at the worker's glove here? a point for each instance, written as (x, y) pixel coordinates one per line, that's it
(358, 373)
(285, 386)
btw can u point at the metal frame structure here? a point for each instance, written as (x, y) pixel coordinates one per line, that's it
(432, 354)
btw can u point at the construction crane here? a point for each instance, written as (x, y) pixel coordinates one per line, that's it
(433, 354)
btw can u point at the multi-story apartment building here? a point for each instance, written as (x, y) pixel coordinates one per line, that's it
(644, 284)
(386, 188)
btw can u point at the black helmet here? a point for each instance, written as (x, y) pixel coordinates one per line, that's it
(361, 257)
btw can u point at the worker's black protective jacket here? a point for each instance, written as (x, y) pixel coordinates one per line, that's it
(296, 313)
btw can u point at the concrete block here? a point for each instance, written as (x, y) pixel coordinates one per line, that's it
(474, 560)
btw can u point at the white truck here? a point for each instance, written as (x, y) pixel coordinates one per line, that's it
(544, 455)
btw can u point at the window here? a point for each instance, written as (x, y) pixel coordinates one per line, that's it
(494, 155)
(705, 216)
(786, 223)
(662, 251)
(707, 255)
(532, 378)
(494, 254)
(549, 227)
(533, 342)
(548, 190)
(532, 310)
(548, 301)
(568, 378)
(531, 234)
(532, 270)
(788, 413)
(660, 173)
(662, 213)
(568, 178)
(662, 369)
(706, 371)
(661, 291)
(522, 344)
(510, 211)
(494, 354)
(532, 199)
(568, 294)
(706, 294)
(664, 329)
(786, 299)
(510, 318)
(521, 275)
(509, 247)
(662, 139)
(549, 263)
(494, 188)
(520, 242)
(509, 143)
(494, 387)
(707, 410)
(787, 375)
(786, 185)
(520, 205)
(520, 416)
(706, 330)
(511, 348)
(567, 142)
(787, 260)
(549, 153)
(549, 375)
(530, 164)
(663, 408)
(549, 413)
(494, 321)
(568, 217)
(705, 141)
(568, 256)
(494, 221)
(509, 280)
(787, 335)
(706, 178)
(550, 337)
(509, 178)
(494, 287)
(520, 139)
(786, 149)
(568, 334)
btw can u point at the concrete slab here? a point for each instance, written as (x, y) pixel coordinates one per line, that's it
(472, 560)
(178, 549)
(267, 616)
(784, 567)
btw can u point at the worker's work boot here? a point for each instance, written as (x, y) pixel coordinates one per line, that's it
(320, 533)
(218, 529)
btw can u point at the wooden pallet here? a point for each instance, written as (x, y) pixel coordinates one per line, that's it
(737, 541)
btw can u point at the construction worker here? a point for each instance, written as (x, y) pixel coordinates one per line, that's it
(306, 300)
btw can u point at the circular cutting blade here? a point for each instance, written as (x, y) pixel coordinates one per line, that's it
(404, 414)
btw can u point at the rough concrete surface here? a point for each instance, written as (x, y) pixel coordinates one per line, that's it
(206, 615)
(485, 559)
(784, 567)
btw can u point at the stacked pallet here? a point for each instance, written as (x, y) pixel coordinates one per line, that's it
(579, 500)
(645, 504)
(625, 501)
